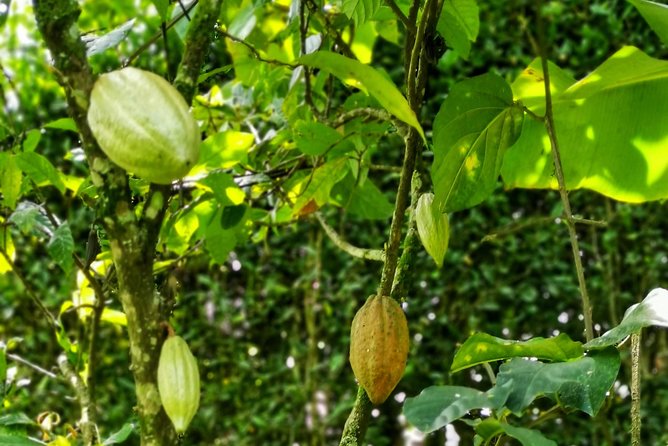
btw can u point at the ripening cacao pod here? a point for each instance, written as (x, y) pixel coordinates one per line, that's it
(433, 228)
(142, 124)
(178, 382)
(379, 346)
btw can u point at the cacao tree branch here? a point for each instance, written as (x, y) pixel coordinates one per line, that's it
(357, 423)
(361, 253)
(635, 389)
(88, 419)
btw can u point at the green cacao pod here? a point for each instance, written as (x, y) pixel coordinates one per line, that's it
(143, 125)
(433, 228)
(379, 346)
(178, 382)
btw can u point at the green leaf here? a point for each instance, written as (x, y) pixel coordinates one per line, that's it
(459, 25)
(232, 216)
(433, 228)
(491, 427)
(10, 181)
(481, 348)
(163, 8)
(3, 372)
(360, 10)
(529, 87)
(219, 242)
(656, 14)
(31, 219)
(62, 124)
(224, 188)
(225, 150)
(40, 170)
(367, 79)
(314, 189)
(438, 406)
(580, 384)
(477, 122)
(61, 247)
(32, 138)
(11, 440)
(314, 138)
(111, 39)
(365, 201)
(121, 435)
(611, 133)
(653, 310)
(11, 419)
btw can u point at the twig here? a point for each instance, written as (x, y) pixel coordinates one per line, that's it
(635, 389)
(362, 253)
(358, 420)
(28, 289)
(254, 50)
(559, 172)
(35, 367)
(155, 37)
(88, 419)
(400, 15)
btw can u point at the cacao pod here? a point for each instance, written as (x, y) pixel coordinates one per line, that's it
(178, 382)
(433, 228)
(379, 346)
(143, 125)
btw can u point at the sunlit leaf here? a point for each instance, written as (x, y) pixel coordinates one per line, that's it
(653, 310)
(656, 15)
(477, 122)
(314, 190)
(611, 132)
(481, 348)
(62, 124)
(223, 187)
(10, 179)
(360, 10)
(367, 79)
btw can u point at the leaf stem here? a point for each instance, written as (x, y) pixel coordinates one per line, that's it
(361, 253)
(635, 389)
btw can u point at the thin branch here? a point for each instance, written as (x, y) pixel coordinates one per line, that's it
(254, 50)
(635, 389)
(356, 425)
(155, 37)
(559, 172)
(400, 15)
(88, 419)
(31, 293)
(35, 367)
(367, 113)
(361, 253)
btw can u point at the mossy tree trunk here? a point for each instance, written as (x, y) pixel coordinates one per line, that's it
(132, 235)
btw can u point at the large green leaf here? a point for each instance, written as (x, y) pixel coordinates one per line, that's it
(367, 79)
(365, 201)
(656, 15)
(459, 24)
(438, 406)
(315, 138)
(477, 122)
(611, 129)
(40, 170)
(482, 347)
(653, 310)
(580, 384)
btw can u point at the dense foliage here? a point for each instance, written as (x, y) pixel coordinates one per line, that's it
(246, 271)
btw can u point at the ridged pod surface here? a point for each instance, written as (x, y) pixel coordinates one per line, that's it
(379, 346)
(178, 382)
(142, 123)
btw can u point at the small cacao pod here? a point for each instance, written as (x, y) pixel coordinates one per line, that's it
(142, 123)
(379, 346)
(178, 382)
(433, 228)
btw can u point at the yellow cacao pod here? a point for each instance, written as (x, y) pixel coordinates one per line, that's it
(379, 346)
(178, 382)
(142, 123)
